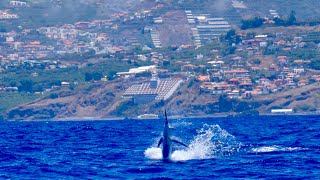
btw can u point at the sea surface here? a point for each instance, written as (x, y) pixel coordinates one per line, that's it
(267, 147)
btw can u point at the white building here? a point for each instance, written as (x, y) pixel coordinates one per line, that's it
(18, 3)
(281, 111)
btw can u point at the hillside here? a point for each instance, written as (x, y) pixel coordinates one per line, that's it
(69, 71)
(103, 100)
(302, 99)
(306, 10)
(39, 13)
(94, 100)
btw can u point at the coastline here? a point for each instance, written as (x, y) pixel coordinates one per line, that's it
(176, 117)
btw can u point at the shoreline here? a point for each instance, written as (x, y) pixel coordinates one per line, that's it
(176, 117)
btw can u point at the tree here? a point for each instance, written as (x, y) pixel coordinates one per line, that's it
(279, 21)
(228, 50)
(292, 18)
(93, 76)
(13, 84)
(252, 23)
(250, 35)
(111, 75)
(166, 63)
(289, 22)
(257, 61)
(3, 29)
(230, 34)
(315, 64)
(53, 96)
(224, 104)
(26, 86)
(232, 37)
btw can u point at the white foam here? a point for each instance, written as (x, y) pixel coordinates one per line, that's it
(209, 142)
(265, 149)
(153, 153)
(274, 148)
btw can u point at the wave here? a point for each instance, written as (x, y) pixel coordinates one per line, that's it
(274, 148)
(211, 141)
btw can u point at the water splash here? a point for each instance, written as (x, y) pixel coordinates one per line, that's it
(153, 153)
(211, 141)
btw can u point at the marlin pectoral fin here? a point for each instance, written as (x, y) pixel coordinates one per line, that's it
(160, 142)
(176, 141)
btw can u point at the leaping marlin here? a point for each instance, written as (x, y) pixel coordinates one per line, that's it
(166, 141)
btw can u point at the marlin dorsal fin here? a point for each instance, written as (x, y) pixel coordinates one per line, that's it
(165, 114)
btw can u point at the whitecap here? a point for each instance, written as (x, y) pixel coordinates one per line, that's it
(274, 148)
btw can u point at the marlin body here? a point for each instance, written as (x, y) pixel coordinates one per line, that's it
(166, 141)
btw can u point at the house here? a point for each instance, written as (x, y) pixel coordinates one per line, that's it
(246, 85)
(298, 70)
(316, 78)
(291, 75)
(217, 76)
(134, 71)
(254, 68)
(247, 95)
(263, 44)
(188, 67)
(203, 78)
(82, 25)
(264, 81)
(65, 83)
(273, 67)
(285, 70)
(234, 81)
(297, 39)
(302, 83)
(158, 20)
(272, 87)
(222, 87)
(216, 63)
(281, 111)
(282, 57)
(291, 85)
(236, 73)
(234, 94)
(207, 86)
(18, 3)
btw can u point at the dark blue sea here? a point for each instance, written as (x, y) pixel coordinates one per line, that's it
(267, 147)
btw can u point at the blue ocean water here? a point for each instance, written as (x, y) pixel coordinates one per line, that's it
(266, 147)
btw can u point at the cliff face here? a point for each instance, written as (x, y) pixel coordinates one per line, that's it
(303, 99)
(95, 100)
(101, 100)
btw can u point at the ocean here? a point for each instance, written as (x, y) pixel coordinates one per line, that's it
(265, 147)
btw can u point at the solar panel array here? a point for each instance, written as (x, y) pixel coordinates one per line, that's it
(165, 88)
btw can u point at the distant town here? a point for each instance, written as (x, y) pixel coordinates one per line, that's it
(155, 54)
